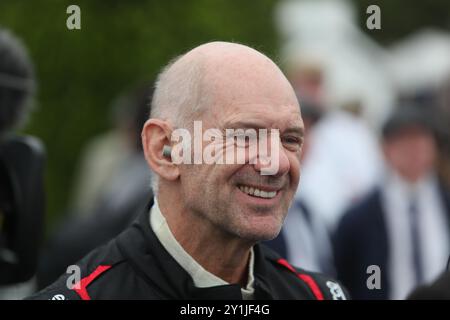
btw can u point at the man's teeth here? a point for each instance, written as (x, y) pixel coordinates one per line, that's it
(257, 192)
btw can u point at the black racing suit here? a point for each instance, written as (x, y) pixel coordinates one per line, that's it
(135, 265)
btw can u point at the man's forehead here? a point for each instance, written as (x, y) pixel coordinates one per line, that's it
(237, 80)
(256, 116)
(245, 76)
(244, 89)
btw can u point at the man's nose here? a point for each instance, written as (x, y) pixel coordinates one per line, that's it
(275, 162)
(284, 164)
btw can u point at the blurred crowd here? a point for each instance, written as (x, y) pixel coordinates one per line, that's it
(375, 176)
(374, 189)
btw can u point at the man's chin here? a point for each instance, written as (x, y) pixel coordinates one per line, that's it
(259, 237)
(257, 233)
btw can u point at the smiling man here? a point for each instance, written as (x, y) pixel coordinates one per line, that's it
(199, 237)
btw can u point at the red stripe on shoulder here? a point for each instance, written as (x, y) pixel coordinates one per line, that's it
(81, 287)
(305, 278)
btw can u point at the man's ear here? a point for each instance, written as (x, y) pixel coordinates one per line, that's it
(155, 135)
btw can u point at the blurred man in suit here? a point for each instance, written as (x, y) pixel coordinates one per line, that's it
(402, 227)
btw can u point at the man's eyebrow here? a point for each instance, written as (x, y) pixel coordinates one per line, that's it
(296, 129)
(243, 124)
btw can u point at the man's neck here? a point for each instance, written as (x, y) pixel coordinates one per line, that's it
(217, 252)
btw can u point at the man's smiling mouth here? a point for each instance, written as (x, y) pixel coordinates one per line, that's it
(257, 193)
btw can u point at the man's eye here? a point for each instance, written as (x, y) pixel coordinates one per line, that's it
(292, 142)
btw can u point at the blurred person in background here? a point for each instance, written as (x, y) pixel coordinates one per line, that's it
(343, 164)
(340, 149)
(444, 141)
(419, 66)
(402, 226)
(332, 63)
(115, 171)
(108, 152)
(21, 173)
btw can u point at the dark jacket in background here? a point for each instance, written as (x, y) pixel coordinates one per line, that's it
(438, 290)
(360, 241)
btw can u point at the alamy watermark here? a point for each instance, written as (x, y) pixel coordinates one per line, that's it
(229, 146)
(74, 279)
(373, 22)
(73, 21)
(374, 280)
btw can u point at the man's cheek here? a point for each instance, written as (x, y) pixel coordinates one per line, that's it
(295, 171)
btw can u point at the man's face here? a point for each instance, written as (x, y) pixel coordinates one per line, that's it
(411, 152)
(221, 193)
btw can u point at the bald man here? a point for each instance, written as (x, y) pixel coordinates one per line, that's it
(199, 237)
